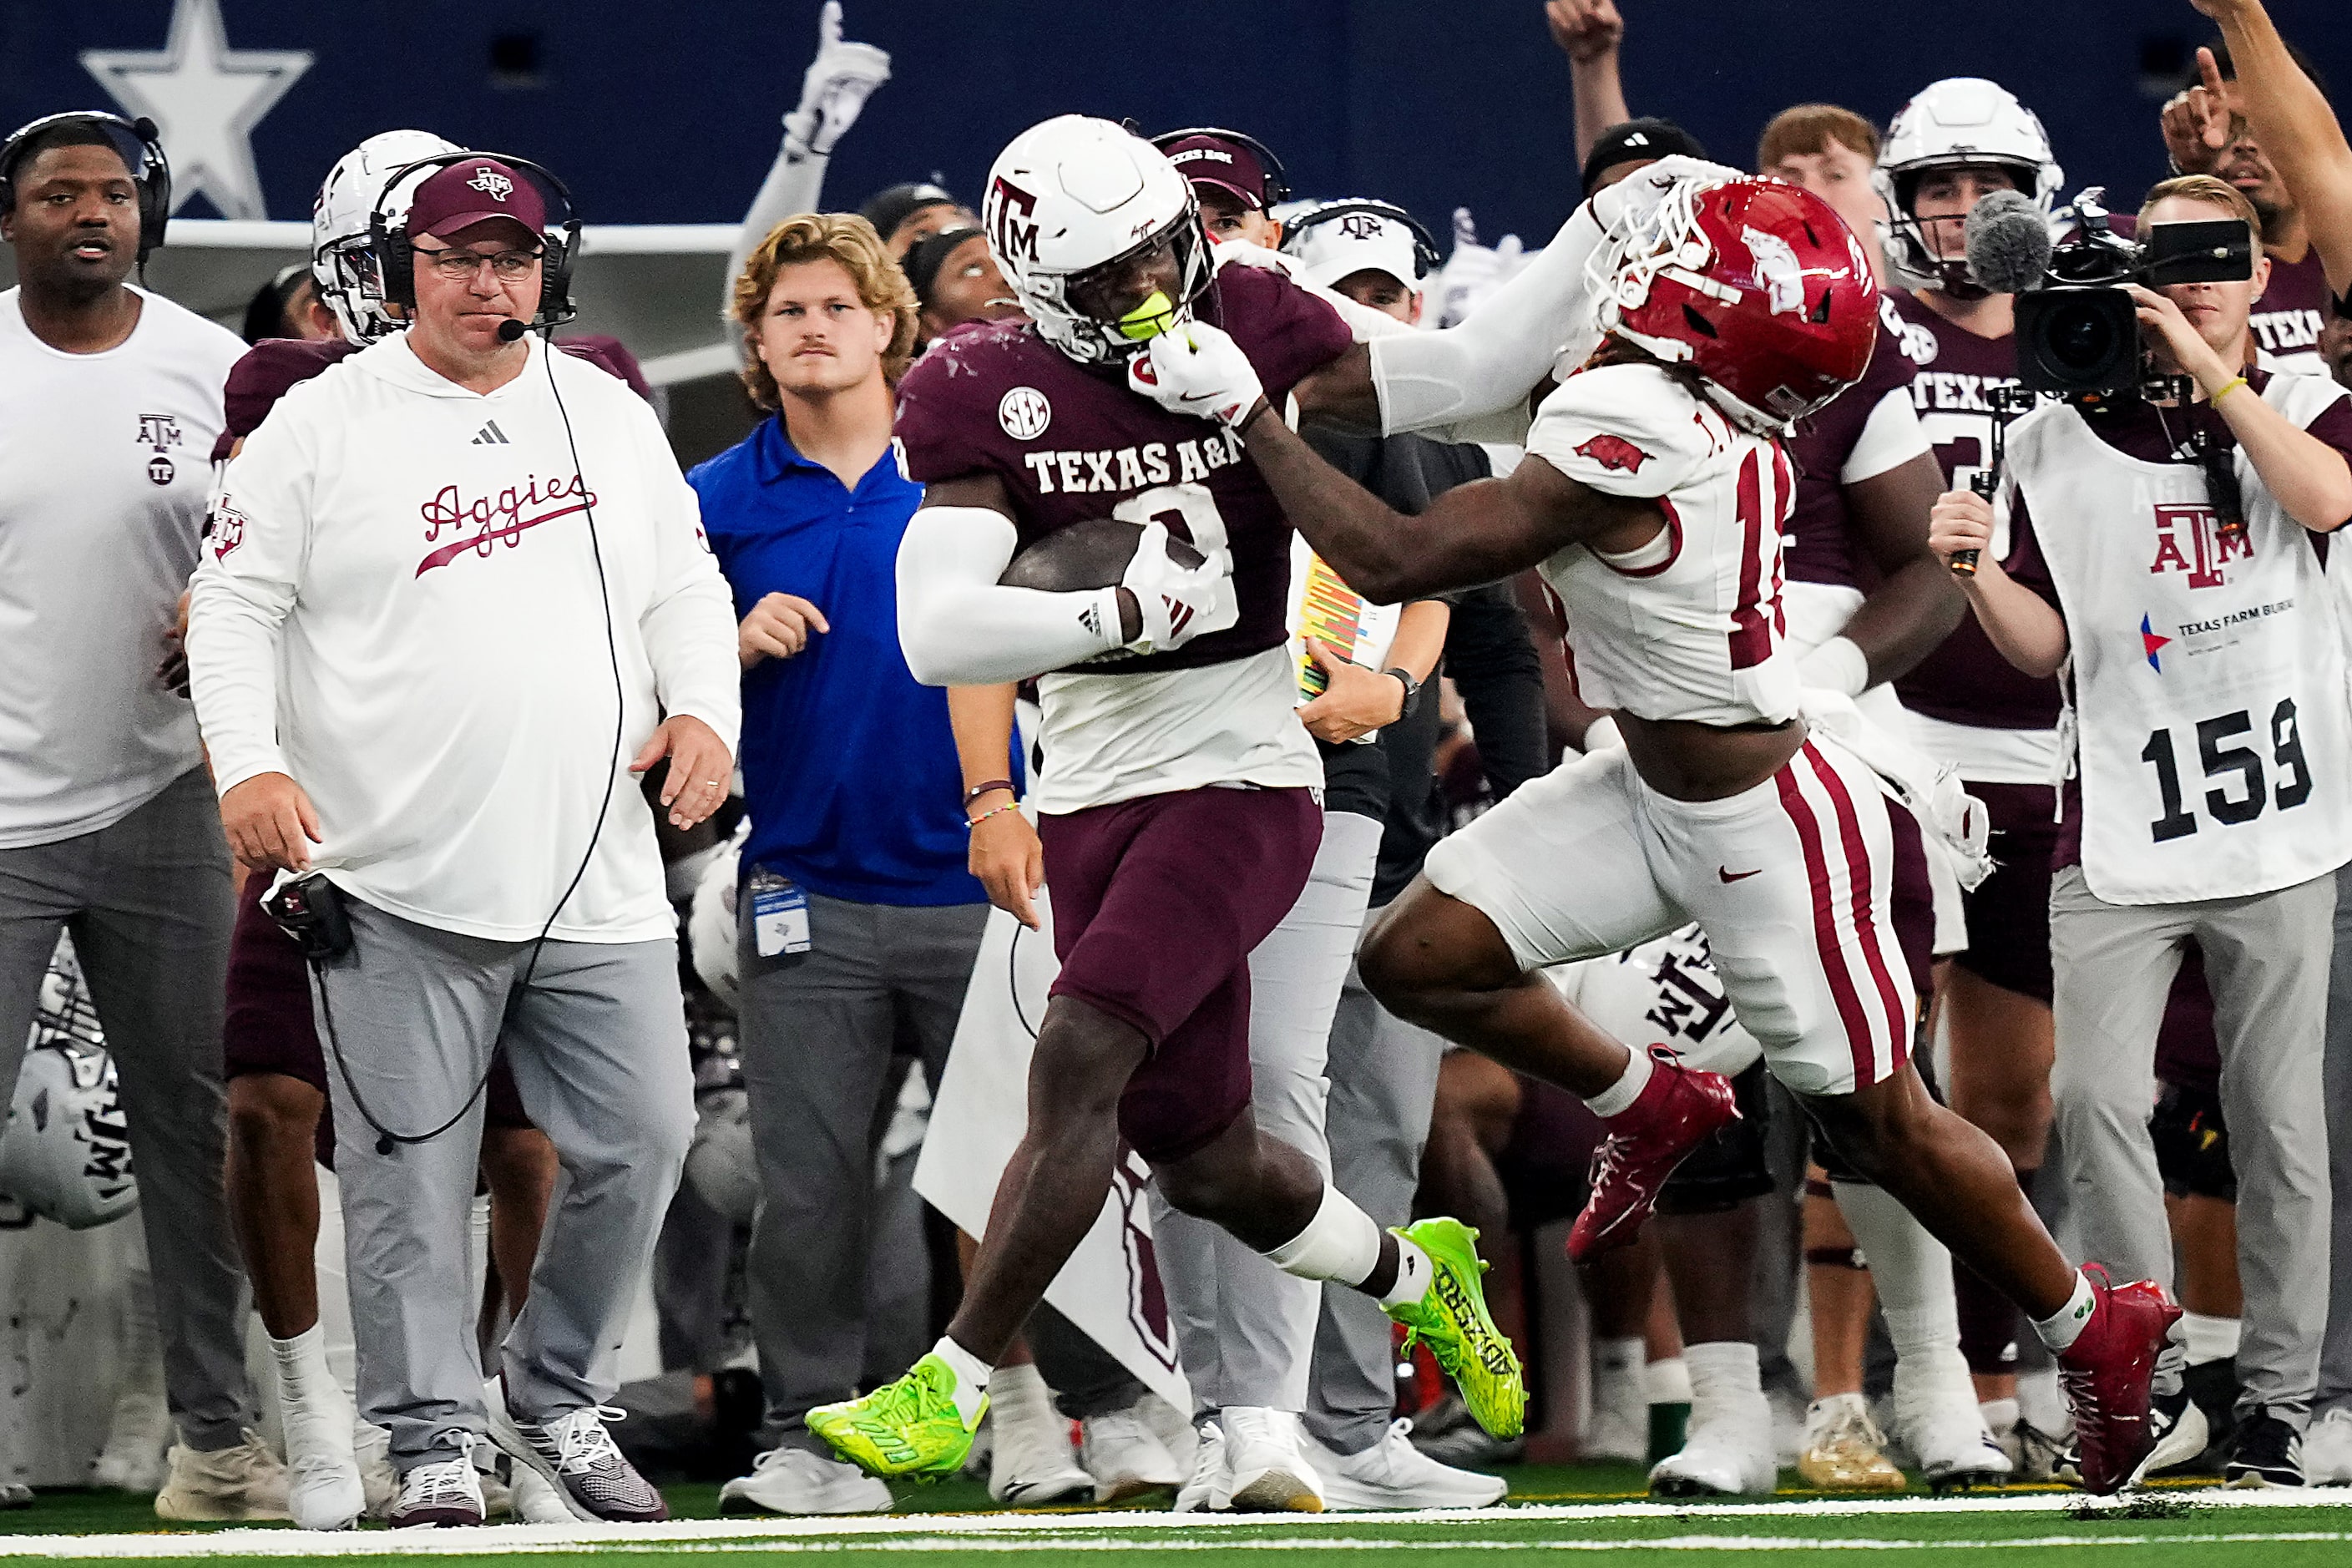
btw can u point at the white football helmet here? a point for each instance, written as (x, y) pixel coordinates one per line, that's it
(1960, 121)
(66, 1153)
(1073, 194)
(342, 259)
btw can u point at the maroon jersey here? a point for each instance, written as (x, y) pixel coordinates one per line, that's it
(1073, 443)
(270, 369)
(1966, 680)
(2293, 306)
(1821, 544)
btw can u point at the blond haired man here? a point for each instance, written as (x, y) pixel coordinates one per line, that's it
(857, 907)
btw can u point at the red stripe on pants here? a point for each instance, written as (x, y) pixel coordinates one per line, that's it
(1817, 867)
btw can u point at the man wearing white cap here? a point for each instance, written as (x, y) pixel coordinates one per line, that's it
(1374, 253)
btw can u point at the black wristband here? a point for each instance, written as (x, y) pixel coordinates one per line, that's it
(1265, 406)
(1412, 689)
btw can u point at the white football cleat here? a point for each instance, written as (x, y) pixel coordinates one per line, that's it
(1033, 1463)
(1208, 1487)
(1948, 1436)
(1726, 1452)
(2328, 1448)
(1393, 1474)
(783, 1480)
(1265, 1469)
(1125, 1456)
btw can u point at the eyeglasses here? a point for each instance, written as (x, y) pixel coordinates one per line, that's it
(459, 266)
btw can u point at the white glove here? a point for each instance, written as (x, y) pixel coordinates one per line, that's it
(1633, 199)
(835, 88)
(1197, 369)
(1178, 602)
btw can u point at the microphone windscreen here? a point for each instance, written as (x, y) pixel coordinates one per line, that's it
(510, 330)
(2009, 242)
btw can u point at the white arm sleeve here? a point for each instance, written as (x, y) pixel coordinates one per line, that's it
(1494, 358)
(958, 625)
(238, 600)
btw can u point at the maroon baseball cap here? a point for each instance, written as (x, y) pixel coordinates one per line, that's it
(1223, 163)
(472, 191)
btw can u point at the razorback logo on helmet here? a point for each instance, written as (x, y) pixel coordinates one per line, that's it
(491, 183)
(1614, 452)
(1009, 207)
(226, 528)
(1777, 269)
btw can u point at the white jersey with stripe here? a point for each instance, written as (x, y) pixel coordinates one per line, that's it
(1689, 626)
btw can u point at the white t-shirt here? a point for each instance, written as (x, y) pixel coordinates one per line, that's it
(424, 555)
(1690, 626)
(103, 474)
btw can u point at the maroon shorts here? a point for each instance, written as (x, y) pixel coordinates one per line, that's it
(2008, 913)
(1157, 904)
(270, 1027)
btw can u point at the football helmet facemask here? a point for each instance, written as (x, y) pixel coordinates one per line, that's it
(1757, 285)
(1960, 122)
(1074, 199)
(343, 259)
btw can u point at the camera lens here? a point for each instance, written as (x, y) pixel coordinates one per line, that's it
(2080, 337)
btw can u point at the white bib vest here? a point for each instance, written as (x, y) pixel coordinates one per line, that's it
(2212, 728)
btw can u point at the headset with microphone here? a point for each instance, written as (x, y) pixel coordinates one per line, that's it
(396, 253)
(142, 147)
(1424, 248)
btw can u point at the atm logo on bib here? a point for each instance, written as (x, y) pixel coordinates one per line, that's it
(2192, 539)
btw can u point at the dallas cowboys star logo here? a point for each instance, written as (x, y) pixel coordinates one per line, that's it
(205, 99)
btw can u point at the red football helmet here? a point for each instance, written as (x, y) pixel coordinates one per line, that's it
(1756, 284)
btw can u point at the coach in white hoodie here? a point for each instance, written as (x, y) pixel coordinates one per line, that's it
(455, 595)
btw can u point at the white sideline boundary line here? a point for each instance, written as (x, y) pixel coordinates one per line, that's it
(1123, 1531)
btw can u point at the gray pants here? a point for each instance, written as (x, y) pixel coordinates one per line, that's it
(148, 903)
(1384, 1086)
(819, 1031)
(596, 1042)
(1246, 1330)
(2335, 1358)
(2266, 960)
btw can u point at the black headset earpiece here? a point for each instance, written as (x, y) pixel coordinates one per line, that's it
(1424, 248)
(396, 257)
(1277, 181)
(153, 173)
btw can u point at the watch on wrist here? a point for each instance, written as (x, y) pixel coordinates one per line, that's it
(1412, 689)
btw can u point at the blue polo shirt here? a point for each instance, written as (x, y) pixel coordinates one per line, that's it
(849, 767)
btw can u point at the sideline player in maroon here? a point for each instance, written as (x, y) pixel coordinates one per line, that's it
(1177, 800)
(1726, 314)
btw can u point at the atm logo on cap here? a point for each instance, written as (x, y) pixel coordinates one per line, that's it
(491, 183)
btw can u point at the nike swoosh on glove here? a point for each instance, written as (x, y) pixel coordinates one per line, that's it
(1178, 602)
(1197, 369)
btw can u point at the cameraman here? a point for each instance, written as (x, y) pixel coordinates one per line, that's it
(453, 584)
(2162, 554)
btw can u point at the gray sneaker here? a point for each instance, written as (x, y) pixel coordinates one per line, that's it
(577, 1455)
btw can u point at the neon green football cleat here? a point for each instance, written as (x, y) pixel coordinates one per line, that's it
(1451, 1318)
(909, 1427)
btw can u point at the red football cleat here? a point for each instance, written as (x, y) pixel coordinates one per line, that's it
(2105, 1373)
(1678, 1109)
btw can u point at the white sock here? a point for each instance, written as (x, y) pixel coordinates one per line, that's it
(2061, 1328)
(1619, 1097)
(2209, 1338)
(1413, 1273)
(1668, 1380)
(1723, 1373)
(1340, 1243)
(1017, 1396)
(303, 1377)
(971, 1379)
(1999, 1416)
(1912, 1273)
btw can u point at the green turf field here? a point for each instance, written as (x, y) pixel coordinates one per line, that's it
(1555, 1512)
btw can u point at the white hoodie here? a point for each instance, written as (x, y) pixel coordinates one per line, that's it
(425, 558)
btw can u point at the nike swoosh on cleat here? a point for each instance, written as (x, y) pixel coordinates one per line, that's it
(1729, 875)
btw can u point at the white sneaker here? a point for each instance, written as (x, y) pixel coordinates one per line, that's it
(1125, 1456)
(1172, 1427)
(2328, 1448)
(1844, 1449)
(576, 1456)
(136, 1438)
(1393, 1474)
(795, 1481)
(1210, 1484)
(1727, 1451)
(1033, 1464)
(439, 1492)
(245, 1482)
(1949, 1437)
(1266, 1471)
(379, 1482)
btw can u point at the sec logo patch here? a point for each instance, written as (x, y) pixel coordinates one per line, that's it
(1024, 413)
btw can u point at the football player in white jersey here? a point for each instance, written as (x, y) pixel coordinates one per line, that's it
(2225, 655)
(1652, 497)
